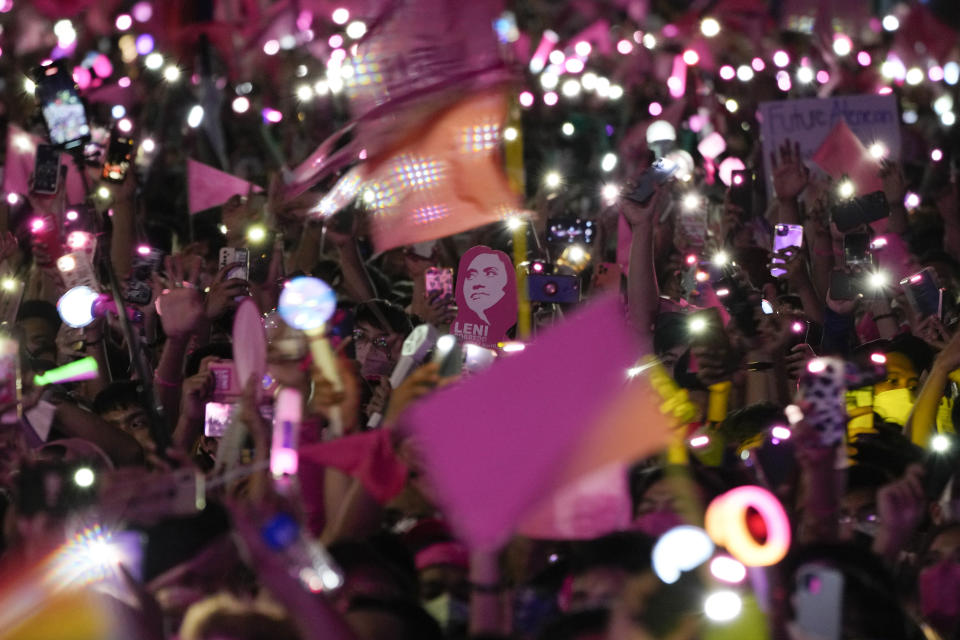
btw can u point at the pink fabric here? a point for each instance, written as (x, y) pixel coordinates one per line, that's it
(496, 445)
(366, 456)
(452, 553)
(209, 187)
(842, 153)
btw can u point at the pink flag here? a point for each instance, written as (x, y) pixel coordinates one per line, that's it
(842, 154)
(208, 187)
(486, 296)
(21, 153)
(497, 445)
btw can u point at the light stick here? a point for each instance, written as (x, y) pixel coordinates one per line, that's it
(726, 522)
(307, 304)
(82, 369)
(286, 433)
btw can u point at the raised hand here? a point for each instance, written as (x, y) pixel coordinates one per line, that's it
(894, 184)
(224, 292)
(643, 213)
(790, 175)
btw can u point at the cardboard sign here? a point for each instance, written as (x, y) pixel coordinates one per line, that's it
(486, 297)
(496, 446)
(873, 118)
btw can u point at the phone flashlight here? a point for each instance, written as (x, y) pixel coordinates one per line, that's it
(77, 240)
(691, 259)
(8, 284)
(766, 307)
(697, 325)
(940, 443)
(721, 258)
(37, 225)
(256, 233)
(846, 189)
(66, 264)
(797, 327)
(878, 279)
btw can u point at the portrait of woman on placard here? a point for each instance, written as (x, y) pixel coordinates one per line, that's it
(486, 296)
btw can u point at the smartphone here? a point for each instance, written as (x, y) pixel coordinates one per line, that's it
(226, 385)
(923, 293)
(439, 279)
(785, 236)
(50, 486)
(656, 175)
(607, 277)
(449, 353)
(560, 289)
(138, 288)
(857, 211)
(856, 249)
(217, 416)
(230, 255)
(843, 286)
(822, 393)
(46, 170)
(818, 601)
(569, 229)
(799, 333)
(76, 269)
(63, 111)
(741, 190)
(117, 162)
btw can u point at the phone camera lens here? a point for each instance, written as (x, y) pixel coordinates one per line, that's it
(550, 288)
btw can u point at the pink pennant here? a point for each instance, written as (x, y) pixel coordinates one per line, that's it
(497, 445)
(21, 153)
(841, 153)
(209, 187)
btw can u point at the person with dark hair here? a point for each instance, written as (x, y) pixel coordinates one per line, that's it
(38, 323)
(121, 404)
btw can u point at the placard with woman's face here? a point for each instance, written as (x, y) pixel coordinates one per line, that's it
(486, 296)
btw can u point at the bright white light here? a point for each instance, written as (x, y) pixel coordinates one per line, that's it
(321, 87)
(514, 223)
(940, 443)
(103, 193)
(570, 88)
(550, 98)
(510, 134)
(680, 549)
(583, 48)
(195, 117)
(610, 192)
(304, 93)
(951, 73)
(557, 57)
(624, 47)
(911, 200)
(124, 22)
(171, 73)
(84, 477)
(709, 27)
(878, 279)
(552, 179)
(722, 606)
(691, 57)
(781, 59)
(731, 105)
(616, 92)
(271, 47)
(805, 75)
(890, 22)
(691, 201)
(549, 80)
(943, 103)
(910, 116)
(914, 76)
(148, 145)
(720, 258)
(878, 150)
(340, 15)
(609, 162)
(758, 64)
(76, 306)
(660, 130)
(356, 30)
(846, 189)
(576, 254)
(589, 81)
(948, 118)
(125, 125)
(66, 35)
(256, 234)
(445, 343)
(29, 86)
(728, 570)
(567, 129)
(842, 45)
(153, 61)
(649, 40)
(727, 72)
(936, 155)
(241, 104)
(118, 111)
(781, 433)
(893, 68)
(744, 73)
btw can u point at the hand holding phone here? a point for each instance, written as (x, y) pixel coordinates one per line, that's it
(46, 170)
(117, 161)
(655, 176)
(785, 236)
(63, 111)
(438, 281)
(923, 293)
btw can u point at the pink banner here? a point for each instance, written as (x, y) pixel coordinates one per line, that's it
(208, 187)
(497, 445)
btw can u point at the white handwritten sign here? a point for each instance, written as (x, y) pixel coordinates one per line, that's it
(873, 118)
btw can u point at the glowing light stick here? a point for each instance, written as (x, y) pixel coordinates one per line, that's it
(307, 304)
(547, 43)
(82, 369)
(284, 459)
(680, 549)
(726, 522)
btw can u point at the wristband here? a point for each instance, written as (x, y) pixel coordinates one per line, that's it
(759, 366)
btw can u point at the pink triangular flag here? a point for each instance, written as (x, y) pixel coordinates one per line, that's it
(842, 154)
(21, 152)
(209, 187)
(497, 445)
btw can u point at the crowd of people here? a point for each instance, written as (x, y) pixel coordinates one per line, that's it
(150, 499)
